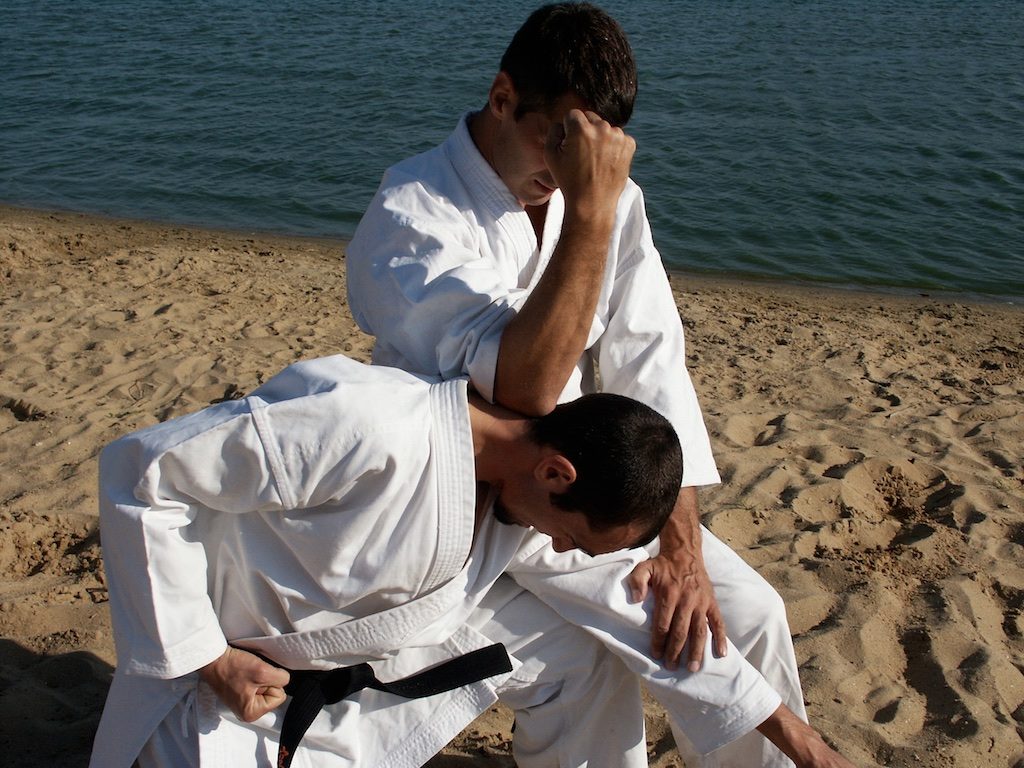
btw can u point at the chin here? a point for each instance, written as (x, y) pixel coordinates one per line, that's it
(538, 194)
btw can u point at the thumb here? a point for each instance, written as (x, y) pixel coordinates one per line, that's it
(553, 145)
(638, 581)
(275, 676)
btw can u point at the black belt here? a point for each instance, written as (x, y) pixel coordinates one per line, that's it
(313, 689)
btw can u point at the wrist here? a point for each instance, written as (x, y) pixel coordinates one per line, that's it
(681, 535)
(590, 218)
(213, 670)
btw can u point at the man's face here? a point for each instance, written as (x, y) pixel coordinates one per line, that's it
(568, 530)
(518, 152)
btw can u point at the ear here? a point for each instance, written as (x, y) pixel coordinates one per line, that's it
(555, 472)
(502, 99)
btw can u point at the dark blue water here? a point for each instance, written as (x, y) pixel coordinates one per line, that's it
(865, 144)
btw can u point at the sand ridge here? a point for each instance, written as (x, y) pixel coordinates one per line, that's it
(871, 447)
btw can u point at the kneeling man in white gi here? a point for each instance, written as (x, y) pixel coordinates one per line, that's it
(272, 560)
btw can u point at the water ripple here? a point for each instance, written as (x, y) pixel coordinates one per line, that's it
(870, 143)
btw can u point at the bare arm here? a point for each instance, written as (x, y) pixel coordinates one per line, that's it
(589, 160)
(539, 348)
(799, 741)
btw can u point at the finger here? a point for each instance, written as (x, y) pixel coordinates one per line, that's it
(273, 697)
(670, 614)
(661, 625)
(639, 581)
(718, 634)
(575, 118)
(698, 637)
(556, 136)
(263, 700)
(676, 639)
(275, 677)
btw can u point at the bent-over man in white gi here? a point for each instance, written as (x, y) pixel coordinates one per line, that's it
(345, 514)
(518, 252)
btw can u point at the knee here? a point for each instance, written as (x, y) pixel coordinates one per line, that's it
(759, 615)
(769, 602)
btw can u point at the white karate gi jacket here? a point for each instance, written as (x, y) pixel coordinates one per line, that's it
(445, 255)
(326, 519)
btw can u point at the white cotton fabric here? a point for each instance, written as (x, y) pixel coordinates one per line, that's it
(281, 523)
(332, 513)
(442, 260)
(445, 255)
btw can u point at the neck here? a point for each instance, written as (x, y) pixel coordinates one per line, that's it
(481, 129)
(501, 439)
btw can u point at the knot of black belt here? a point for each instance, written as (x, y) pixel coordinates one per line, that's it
(313, 689)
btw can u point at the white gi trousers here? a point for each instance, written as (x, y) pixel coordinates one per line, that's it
(577, 703)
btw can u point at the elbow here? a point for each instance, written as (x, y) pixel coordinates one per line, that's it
(527, 388)
(536, 408)
(527, 401)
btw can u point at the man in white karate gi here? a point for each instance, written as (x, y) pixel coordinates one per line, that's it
(344, 514)
(518, 252)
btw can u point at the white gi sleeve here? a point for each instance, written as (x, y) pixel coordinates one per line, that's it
(418, 282)
(153, 485)
(726, 699)
(641, 352)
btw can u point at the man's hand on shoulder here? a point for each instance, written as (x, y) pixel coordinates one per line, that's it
(589, 159)
(684, 601)
(248, 686)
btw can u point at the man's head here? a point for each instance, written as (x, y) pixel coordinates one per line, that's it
(608, 476)
(565, 57)
(572, 48)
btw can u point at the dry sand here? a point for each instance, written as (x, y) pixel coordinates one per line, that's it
(871, 450)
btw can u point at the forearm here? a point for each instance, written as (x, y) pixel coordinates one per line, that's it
(799, 741)
(544, 342)
(681, 536)
(589, 161)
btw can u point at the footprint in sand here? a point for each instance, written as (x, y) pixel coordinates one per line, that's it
(22, 410)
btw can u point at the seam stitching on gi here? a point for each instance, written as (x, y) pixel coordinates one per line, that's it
(274, 457)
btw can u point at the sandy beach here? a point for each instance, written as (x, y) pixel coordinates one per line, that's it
(871, 447)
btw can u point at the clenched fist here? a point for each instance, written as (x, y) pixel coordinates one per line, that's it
(589, 159)
(249, 686)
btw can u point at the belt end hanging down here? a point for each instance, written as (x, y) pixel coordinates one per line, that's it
(312, 690)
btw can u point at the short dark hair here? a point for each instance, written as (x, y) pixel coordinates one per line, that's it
(572, 48)
(628, 461)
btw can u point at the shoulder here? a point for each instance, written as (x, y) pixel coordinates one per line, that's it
(142, 447)
(336, 394)
(423, 193)
(335, 373)
(429, 178)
